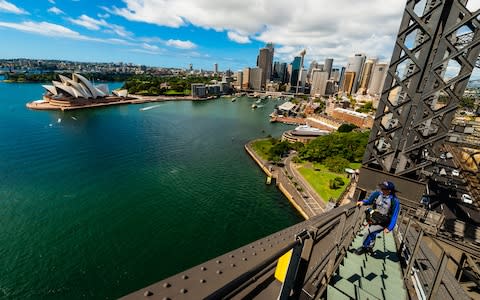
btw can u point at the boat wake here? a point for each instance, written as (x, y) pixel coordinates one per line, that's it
(149, 107)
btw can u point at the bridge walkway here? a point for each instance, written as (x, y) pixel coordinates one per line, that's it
(365, 276)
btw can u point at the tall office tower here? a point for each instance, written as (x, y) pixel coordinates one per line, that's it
(295, 70)
(283, 72)
(190, 67)
(366, 75)
(327, 66)
(341, 78)
(348, 81)
(355, 64)
(313, 66)
(264, 61)
(255, 79)
(335, 74)
(246, 79)
(331, 87)
(319, 82)
(239, 80)
(302, 79)
(379, 74)
(302, 55)
(215, 68)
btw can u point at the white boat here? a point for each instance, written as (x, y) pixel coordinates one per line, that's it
(254, 106)
(307, 130)
(149, 107)
(234, 99)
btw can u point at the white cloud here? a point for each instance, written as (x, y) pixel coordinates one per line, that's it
(94, 24)
(55, 10)
(181, 44)
(150, 47)
(11, 8)
(51, 1)
(89, 23)
(325, 28)
(239, 38)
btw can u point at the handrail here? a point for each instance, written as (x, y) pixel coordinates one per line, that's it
(322, 240)
(426, 271)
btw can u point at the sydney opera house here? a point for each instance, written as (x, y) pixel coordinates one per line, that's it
(76, 92)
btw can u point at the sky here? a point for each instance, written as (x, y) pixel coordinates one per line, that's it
(175, 33)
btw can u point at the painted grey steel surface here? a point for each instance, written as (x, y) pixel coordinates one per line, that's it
(437, 46)
(248, 272)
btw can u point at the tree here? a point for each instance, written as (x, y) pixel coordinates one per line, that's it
(346, 127)
(336, 164)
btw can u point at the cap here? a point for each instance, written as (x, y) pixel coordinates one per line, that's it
(387, 185)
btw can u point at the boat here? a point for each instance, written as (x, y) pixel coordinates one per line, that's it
(254, 106)
(258, 101)
(306, 130)
(149, 107)
(234, 99)
(269, 180)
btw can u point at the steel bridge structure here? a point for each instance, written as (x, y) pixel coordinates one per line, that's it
(436, 50)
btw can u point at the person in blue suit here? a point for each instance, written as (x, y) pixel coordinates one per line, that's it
(381, 216)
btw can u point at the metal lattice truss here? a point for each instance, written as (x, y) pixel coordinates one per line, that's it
(436, 50)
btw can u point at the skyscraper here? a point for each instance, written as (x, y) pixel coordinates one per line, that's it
(379, 74)
(366, 75)
(327, 66)
(265, 61)
(215, 68)
(355, 64)
(255, 79)
(313, 66)
(319, 82)
(246, 79)
(295, 70)
(348, 81)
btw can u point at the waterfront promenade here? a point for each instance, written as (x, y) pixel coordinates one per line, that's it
(297, 190)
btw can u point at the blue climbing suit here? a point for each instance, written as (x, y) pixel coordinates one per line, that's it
(386, 206)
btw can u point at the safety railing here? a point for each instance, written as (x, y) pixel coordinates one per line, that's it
(428, 266)
(295, 262)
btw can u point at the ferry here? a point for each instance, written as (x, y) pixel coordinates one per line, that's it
(306, 130)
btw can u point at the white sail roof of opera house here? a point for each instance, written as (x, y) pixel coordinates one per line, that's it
(77, 87)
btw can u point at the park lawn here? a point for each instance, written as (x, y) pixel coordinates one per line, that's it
(355, 166)
(262, 147)
(319, 177)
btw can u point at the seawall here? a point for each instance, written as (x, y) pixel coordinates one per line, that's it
(261, 164)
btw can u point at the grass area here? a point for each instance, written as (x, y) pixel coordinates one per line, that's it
(318, 176)
(262, 147)
(355, 166)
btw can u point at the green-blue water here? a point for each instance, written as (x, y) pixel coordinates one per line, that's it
(110, 200)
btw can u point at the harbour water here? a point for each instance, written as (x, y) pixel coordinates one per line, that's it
(98, 203)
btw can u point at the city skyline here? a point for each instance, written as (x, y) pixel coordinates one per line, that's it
(175, 34)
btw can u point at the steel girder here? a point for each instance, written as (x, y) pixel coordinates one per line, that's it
(431, 64)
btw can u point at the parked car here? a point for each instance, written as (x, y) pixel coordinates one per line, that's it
(455, 172)
(466, 198)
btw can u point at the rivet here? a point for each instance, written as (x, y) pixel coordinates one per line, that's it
(202, 281)
(243, 251)
(232, 256)
(167, 285)
(219, 261)
(252, 246)
(263, 249)
(233, 265)
(203, 268)
(244, 258)
(254, 253)
(183, 291)
(271, 245)
(219, 272)
(261, 243)
(184, 277)
(166, 298)
(147, 293)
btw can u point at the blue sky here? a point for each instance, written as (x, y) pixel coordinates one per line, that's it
(174, 33)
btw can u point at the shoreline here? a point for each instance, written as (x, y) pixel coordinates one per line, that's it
(38, 105)
(301, 208)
